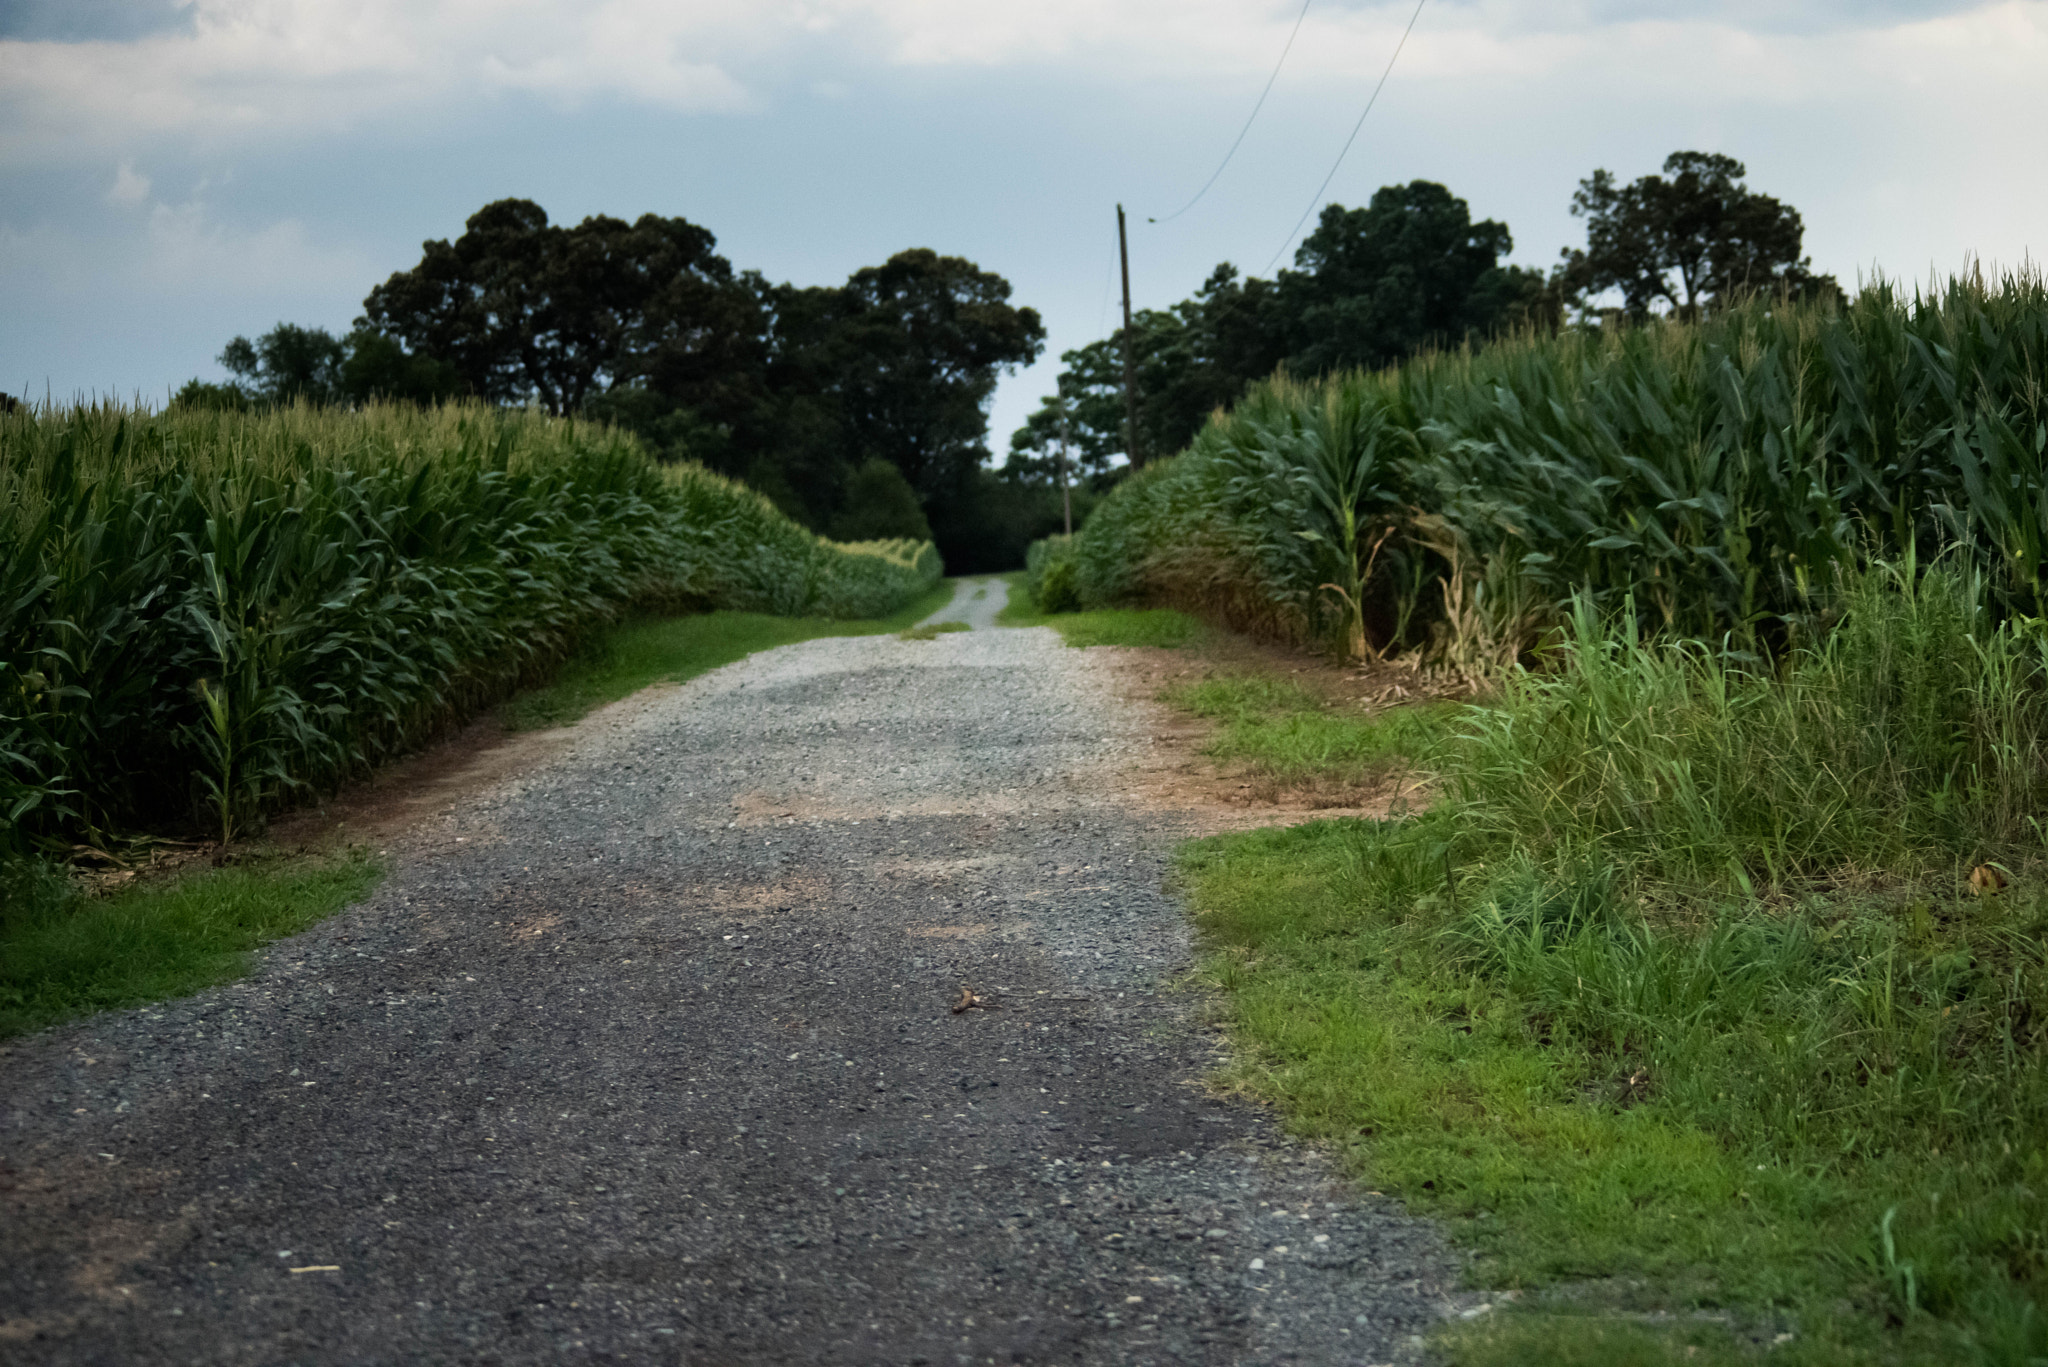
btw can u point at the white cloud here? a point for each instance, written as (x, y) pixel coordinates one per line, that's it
(177, 251)
(128, 187)
(264, 70)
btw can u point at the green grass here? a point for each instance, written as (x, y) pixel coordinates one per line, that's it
(63, 955)
(1161, 627)
(1285, 730)
(1677, 1004)
(649, 650)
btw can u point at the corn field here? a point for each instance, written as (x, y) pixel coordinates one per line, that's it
(1717, 476)
(202, 614)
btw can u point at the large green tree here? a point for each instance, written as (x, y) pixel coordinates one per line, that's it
(292, 364)
(288, 364)
(920, 342)
(1692, 238)
(526, 310)
(800, 391)
(1408, 270)
(1369, 286)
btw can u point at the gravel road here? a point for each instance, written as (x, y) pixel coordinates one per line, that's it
(649, 1056)
(975, 602)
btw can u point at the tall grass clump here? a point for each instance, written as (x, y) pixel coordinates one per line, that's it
(1914, 736)
(205, 612)
(1713, 475)
(1727, 975)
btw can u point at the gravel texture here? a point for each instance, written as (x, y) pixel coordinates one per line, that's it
(975, 602)
(650, 1057)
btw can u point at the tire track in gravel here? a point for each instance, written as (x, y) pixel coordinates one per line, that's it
(649, 1058)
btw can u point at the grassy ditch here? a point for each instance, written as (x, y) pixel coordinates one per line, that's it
(1161, 627)
(643, 651)
(1709, 1009)
(63, 954)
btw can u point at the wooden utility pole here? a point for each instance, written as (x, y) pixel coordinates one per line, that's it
(1123, 252)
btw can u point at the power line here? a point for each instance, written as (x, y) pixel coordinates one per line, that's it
(1317, 201)
(1247, 123)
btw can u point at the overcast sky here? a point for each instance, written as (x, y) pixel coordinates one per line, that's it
(174, 172)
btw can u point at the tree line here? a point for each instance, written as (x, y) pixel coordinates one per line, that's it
(1373, 285)
(861, 409)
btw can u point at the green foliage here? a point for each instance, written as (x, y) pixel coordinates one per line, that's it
(1680, 996)
(799, 391)
(212, 610)
(879, 504)
(292, 364)
(1287, 732)
(1370, 286)
(922, 339)
(1914, 736)
(208, 397)
(1722, 239)
(1058, 589)
(64, 955)
(520, 309)
(1050, 576)
(1411, 269)
(1717, 476)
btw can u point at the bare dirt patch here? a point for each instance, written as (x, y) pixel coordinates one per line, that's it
(1177, 776)
(414, 799)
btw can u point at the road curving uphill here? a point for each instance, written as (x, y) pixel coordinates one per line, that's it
(821, 1010)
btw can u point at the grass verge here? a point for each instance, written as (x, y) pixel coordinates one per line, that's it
(1161, 627)
(648, 650)
(1678, 1007)
(64, 955)
(1291, 733)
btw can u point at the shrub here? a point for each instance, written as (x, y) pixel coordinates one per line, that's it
(1058, 588)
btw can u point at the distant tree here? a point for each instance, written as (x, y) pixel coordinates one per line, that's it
(378, 366)
(1369, 287)
(1411, 269)
(797, 390)
(920, 341)
(210, 396)
(1690, 239)
(879, 505)
(292, 364)
(288, 364)
(524, 310)
(1189, 360)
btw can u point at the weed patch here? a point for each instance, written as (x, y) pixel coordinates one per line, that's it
(1291, 733)
(1682, 1001)
(64, 955)
(1161, 627)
